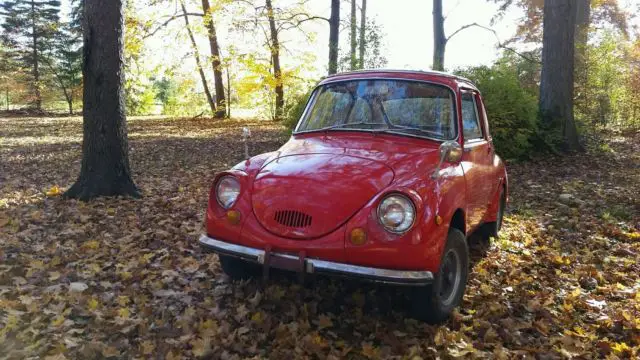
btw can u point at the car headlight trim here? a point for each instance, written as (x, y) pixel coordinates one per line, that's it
(227, 191)
(396, 213)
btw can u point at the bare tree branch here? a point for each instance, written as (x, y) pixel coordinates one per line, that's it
(501, 45)
(164, 24)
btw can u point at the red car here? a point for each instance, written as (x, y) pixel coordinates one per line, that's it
(384, 177)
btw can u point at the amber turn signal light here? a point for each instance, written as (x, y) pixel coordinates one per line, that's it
(358, 236)
(438, 219)
(233, 216)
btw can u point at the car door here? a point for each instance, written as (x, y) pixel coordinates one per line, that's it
(493, 172)
(476, 159)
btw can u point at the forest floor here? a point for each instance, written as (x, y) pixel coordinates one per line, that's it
(123, 278)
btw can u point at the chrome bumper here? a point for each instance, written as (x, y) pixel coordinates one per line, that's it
(387, 276)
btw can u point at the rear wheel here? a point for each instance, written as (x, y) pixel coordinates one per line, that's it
(493, 229)
(434, 303)
(238, 269)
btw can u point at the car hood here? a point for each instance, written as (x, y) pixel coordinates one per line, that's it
(314, 184)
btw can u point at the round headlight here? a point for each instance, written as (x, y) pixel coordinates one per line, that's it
(227, 191)
(396, 213)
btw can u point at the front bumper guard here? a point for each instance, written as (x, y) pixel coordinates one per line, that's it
(313, 266)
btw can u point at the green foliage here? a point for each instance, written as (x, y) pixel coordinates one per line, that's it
(65, 63)
(607, 98)
(139, 91)
(511, 109)
(179, 97)
(374, 48)
(27, 30)
(255, 88)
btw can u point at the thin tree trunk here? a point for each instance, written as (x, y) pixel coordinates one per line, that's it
(556, 80)
(363, 31)
(228, 93)
(334, 29)
(36, 70)
(196, 54)
(70, 103)
(354, 29)
(439, 39)
(215, 61)
(105, 167)
(275, 59)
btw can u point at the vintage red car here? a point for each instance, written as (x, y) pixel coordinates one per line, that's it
(384, 177)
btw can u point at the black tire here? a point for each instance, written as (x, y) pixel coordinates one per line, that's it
(238, 269)
(493, 229)
(434, 303)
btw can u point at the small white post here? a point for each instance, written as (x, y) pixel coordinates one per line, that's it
(246, 134)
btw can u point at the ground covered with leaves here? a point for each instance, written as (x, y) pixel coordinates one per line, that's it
(123, 278)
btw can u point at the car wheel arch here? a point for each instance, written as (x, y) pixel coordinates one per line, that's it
(458, 221)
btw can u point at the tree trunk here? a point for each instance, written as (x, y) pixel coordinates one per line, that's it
(354, 43)
(363, 31)
(70, 103)
(105, 153)
(228, 93)
(275, 59)
(439, 39)
(583, 15)
(36, 70)
(221, 111)
(556, 80)
(196, 54)
(334, 29)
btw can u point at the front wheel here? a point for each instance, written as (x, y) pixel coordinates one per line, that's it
(434, 303)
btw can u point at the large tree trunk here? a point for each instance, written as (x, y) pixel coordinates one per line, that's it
(334, 29)
(36, 70)
(583, 21)
(196, 54)
(363, 31)
(439, 39)
(556, 80)
(275, 60)
(354, 43)
(221, 111)
(105, 153)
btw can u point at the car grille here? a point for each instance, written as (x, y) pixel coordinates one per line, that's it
(293, 218)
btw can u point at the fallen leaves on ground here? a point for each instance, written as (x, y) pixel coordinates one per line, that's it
(123, 278)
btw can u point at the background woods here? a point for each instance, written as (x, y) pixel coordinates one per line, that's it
(262, 57)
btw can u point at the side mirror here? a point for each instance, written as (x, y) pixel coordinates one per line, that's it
(450, 151)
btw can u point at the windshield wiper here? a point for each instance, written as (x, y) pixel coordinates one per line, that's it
(340, 126)
(406, 129)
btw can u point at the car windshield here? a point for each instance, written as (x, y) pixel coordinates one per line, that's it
(397, 106)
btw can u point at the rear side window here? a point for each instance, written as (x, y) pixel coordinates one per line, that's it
(470, 125)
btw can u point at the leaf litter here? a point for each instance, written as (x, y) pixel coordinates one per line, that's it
(123, 278)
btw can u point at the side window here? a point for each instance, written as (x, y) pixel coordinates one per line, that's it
(470, 125)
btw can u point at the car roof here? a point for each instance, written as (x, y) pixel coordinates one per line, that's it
(451, 80)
